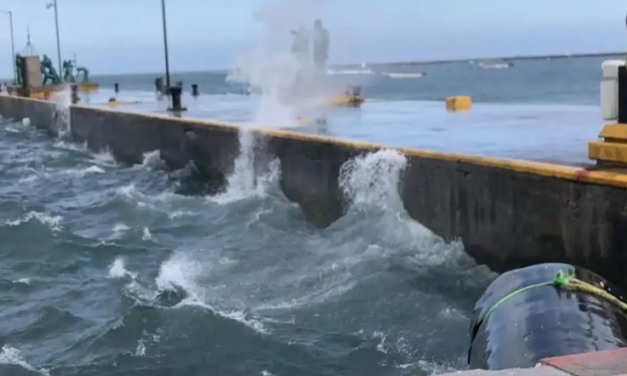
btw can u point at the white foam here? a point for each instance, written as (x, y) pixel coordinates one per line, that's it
(53, 222)
(243, 182)
(372, 179)
(24, 281)
(118, 270)
(11, 355)
(141, 348)
(152, 160)
(91, 170)
(182, 271)
(146, 234)
(104, 157)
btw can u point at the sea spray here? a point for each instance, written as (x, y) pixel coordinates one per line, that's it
(286, 86)
(61, 115)
(372, 180)
(251, 175)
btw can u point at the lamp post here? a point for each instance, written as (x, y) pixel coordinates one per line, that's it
(12, 43)
(165, 45)
(173, 92)
(53, 4)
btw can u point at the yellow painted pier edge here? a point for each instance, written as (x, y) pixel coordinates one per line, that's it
(611, 150)
(538, 168)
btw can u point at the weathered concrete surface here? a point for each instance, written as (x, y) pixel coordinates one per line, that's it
(537, 371)
(42, 114)
(507, 218)
(128, 137)
(545, 133)
(508, 213)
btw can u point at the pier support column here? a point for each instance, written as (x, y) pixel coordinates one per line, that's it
(611, 149)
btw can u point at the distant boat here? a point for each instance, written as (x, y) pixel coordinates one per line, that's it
(495, 64)
(399, 75)
(350, 72)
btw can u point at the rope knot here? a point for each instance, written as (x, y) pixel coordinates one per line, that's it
(562, 279)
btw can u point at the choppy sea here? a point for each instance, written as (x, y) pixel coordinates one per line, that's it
(120, 270)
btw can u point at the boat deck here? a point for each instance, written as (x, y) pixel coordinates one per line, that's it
(548, 133)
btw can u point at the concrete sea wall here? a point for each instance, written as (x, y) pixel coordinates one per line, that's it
(507, 213)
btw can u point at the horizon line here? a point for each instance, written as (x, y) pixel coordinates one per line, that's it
(414, 62)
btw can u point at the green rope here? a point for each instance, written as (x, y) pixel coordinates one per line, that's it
(560, 280)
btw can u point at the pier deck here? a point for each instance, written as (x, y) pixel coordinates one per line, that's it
(548, 133)
(600, 363)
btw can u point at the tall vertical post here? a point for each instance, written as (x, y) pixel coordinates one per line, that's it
(13, 47)
(56, 21)
(12, 44)
(165, 45)
(56, 24)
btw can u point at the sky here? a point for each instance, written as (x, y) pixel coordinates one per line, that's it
(126, 36)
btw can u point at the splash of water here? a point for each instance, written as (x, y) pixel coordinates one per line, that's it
(61, 116)
(244, 182)
(372, 179)
(286, 83)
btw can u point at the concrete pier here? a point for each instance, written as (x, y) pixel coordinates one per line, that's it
(544, 133)
(508, 213)
(600, 363)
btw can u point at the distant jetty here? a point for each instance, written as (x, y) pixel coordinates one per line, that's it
(506, 58)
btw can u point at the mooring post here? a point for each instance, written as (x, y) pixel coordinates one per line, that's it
(75, 97)
(116, 87)
(195, 90)
(175, 93)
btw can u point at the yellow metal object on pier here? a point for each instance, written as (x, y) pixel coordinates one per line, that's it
(458, 103)
(612, 149)
(346, 101)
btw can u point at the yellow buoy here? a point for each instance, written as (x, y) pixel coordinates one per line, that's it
(346, 100)
(458, 103)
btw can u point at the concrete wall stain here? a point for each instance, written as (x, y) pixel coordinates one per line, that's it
(507, 213)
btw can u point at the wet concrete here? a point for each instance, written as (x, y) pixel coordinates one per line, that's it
(548, 133)
(507, 213)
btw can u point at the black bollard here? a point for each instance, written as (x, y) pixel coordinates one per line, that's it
(75, 97)
(195, 90)
(175, 93)
(116, 87)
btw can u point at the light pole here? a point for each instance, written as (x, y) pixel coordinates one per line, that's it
(165, 45)
(173, 92)
(12, 44)
(53, 4)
